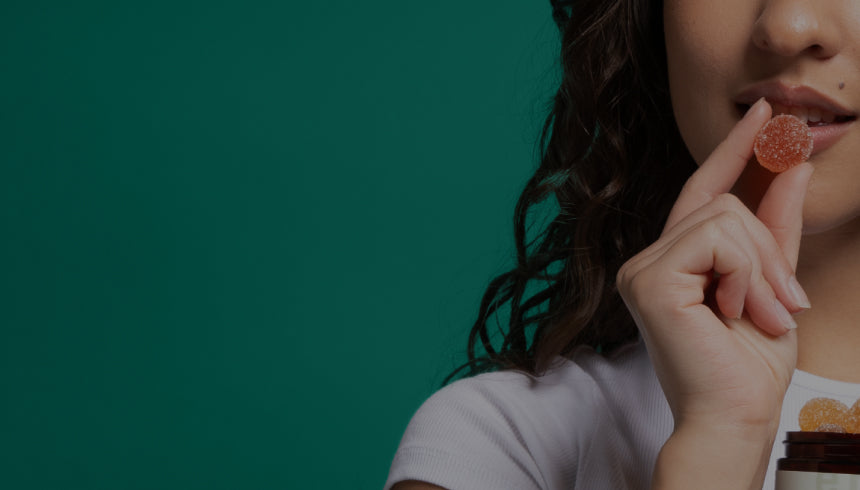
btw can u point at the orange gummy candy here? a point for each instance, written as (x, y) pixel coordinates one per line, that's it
(831, 428)
(853, 420)
(785, 141)
(823, 413)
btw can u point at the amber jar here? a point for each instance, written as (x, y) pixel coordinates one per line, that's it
(819, 460)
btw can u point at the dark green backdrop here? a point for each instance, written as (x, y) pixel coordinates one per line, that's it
(242, 241)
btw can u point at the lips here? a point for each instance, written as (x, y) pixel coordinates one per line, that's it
(814, 116)
(827, 119)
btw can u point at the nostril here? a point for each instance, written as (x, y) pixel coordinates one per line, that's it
(817, 50)
(790, 32)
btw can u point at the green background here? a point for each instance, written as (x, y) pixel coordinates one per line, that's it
(242, 241)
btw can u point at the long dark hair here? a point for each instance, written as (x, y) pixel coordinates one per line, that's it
(613, 159)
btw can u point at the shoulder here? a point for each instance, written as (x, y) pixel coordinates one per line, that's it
(587, 382)
(512, 430)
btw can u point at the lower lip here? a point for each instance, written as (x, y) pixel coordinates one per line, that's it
(823, 137)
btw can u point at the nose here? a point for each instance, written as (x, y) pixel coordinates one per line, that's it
(793, 27)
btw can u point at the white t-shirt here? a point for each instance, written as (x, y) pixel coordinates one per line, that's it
(593, 422)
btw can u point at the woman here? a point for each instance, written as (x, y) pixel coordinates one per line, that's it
(662, 349)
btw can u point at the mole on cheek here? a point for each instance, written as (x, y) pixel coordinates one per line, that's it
(841, 85)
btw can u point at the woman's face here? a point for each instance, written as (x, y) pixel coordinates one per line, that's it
(803, 56)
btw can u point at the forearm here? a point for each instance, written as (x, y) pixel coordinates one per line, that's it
(710, 458)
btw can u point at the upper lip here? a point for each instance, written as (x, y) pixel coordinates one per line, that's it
(791, 96)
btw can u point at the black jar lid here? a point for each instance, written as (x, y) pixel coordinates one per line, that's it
(835, 452)
(823, 452)
(821, 438)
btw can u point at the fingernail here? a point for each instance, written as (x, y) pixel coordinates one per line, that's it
(798, 294)
(784, 316)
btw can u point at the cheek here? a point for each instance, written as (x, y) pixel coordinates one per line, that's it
(705, 52)
(831, 201)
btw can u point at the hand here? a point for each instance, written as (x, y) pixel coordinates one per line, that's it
(725, 355)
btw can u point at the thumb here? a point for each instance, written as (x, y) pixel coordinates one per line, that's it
(781, 209)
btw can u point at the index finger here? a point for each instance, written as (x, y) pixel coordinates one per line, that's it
(721, 170)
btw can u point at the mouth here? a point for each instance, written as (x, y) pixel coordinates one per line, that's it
(811, 115)
(827, 126)
(811, 106)
(828, 120)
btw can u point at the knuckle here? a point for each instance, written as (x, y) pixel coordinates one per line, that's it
(621, 275)
(713, 229)
(729, 222)
(728, 201)
(625, 275)
(745, 265)
(631, 268)
(639, 283)
(688, 185)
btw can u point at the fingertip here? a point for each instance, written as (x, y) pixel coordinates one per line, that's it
(807, 168)
(730, 307)
(767, 311)
(798, 295)
(740, 138)
(804, 168)
(783, 316)
(797, 177)
(760, 110)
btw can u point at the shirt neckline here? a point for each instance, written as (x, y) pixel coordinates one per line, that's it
(814, 382)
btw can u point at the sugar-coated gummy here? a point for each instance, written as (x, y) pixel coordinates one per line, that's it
(831, 428)
(785, 141)
(820, 412)
(853, 423)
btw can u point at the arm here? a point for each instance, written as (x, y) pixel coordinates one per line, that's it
(704, 458)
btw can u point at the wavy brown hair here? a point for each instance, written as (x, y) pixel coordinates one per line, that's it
(614, 162)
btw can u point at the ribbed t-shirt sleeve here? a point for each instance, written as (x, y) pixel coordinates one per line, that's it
(470, 435)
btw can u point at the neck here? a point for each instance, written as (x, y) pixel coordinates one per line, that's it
(828, 334)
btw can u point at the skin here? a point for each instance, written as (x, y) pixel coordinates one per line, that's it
(816, 44)
(744, 42)
(724, 367)
(726, 361)
(725, 364)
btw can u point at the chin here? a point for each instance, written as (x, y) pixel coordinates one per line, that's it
(822, 212)
(827, 208)
(816, 221)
